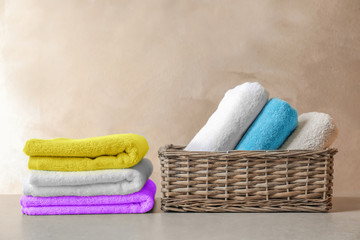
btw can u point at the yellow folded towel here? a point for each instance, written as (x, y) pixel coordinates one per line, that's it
(63, 154)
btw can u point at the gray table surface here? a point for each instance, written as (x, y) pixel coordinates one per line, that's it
(343, 222)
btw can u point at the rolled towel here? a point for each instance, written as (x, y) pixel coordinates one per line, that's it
(107, 152)
(235, 113)
(271, 128)
(315, 131)
(88, 183)
(139, 202)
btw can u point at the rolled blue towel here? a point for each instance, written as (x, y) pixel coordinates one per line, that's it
(270, 129)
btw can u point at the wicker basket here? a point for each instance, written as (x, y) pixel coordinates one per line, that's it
(246, 181)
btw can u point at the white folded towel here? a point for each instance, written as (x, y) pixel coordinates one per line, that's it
(88, 183)
(235, 113)
(315, 131)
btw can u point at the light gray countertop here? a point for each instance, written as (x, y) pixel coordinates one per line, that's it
(343, 222)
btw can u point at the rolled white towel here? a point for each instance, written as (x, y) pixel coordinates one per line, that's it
(235, 113)
(315, 131)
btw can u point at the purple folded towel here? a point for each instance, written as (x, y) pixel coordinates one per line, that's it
(139, 202)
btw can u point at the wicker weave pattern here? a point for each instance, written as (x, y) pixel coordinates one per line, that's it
(246, 181)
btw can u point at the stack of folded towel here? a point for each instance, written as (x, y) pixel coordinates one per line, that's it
(100, 175)
(246, 120)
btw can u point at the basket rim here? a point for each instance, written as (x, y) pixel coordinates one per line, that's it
(175, 150)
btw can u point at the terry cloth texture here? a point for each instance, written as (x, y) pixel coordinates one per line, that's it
(88, 183)
(315, 131)
(235, 113)
(271, 128)
(107, 152)
(139, 202)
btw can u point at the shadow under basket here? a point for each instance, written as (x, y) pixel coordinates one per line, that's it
(246, 181)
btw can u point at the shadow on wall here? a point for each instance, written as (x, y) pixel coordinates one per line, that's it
(346, 204)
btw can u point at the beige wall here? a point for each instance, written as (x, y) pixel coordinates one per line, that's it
(159, 68)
